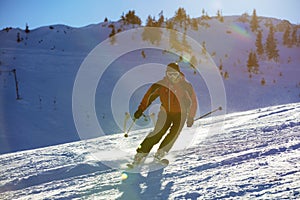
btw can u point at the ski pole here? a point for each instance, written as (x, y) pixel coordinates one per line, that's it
(126, 132)
(127, 116)
(202, 116)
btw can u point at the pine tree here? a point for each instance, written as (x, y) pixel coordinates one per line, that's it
(169, 24)
(252, 63)
(294, 37)
(18, 37)
(153, 36)
(193, 63)
(221, 19)
(255, 63)
(226, 75)
(123, 18)
(143, 54)
(254, 22)
(263, 82)
(286, 36)
(131, 18)
(27, 29)
(244, 18)
(221, 65)
(271, 45)
(112, 34)
(180, 16)
(161, 19)
(258, 43)
(149, 21)
(113, 31)
(195, 24)
(249, 62)
(188, 20)
(204, 51)
(219, 16)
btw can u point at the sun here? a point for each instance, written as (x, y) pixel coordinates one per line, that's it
(216, 5)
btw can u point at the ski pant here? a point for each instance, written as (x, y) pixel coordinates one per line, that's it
(174, 121)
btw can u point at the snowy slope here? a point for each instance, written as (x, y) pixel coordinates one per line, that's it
(48, 58)
(255, 155)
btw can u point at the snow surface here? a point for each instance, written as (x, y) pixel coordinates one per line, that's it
(255, 156)
(250, 153)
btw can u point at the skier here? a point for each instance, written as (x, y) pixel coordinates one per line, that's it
(178, 105)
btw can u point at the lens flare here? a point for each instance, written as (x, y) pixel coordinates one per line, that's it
(240, 31)
(124, 176)
(93, 71)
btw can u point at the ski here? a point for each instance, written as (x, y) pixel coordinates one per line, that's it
(163, 162)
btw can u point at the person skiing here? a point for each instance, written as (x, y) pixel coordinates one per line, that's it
(178, 105)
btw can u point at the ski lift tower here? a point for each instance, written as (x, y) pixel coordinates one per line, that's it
(14, 71)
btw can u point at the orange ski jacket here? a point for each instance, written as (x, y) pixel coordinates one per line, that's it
(175, 97)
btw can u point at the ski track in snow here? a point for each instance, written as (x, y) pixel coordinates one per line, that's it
(256, 155)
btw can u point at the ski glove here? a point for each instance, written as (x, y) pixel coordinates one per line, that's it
(190, 122)
(138, 114)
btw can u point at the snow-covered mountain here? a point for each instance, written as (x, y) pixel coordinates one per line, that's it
(255, 155)
(47, 60)
(250, 153)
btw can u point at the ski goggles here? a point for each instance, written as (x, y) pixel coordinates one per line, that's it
(173, 75)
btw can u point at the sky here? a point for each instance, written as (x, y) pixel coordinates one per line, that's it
(79, 13)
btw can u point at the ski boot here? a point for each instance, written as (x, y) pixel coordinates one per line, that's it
(138, 159)
(159, 157)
